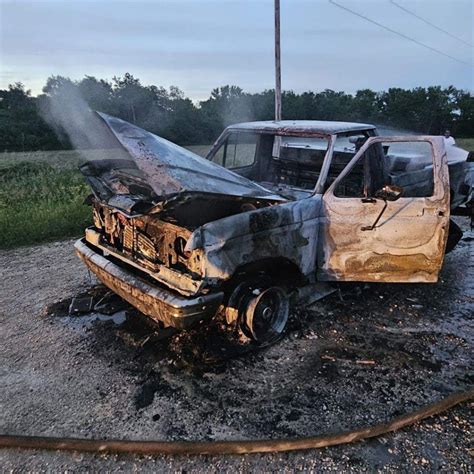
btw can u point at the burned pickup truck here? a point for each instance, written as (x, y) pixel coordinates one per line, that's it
(276, 209)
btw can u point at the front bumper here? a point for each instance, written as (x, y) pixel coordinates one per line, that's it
(154, 300)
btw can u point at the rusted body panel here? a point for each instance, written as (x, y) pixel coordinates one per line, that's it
(408, 243)
(302, 127)
(172, 170)
(286, 231)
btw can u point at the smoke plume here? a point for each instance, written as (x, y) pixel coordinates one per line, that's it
(70, 116)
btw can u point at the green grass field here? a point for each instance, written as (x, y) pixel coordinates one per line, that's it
(466, 143)
(39, 202)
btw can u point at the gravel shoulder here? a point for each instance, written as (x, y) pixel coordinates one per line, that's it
(75, 376)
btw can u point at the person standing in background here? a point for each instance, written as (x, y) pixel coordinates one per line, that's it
(448, 139)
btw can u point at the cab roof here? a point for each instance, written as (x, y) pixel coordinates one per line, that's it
(324, 127)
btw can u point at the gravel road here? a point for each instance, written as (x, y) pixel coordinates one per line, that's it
(85, 376)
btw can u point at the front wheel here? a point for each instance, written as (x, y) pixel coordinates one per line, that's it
(260, 310)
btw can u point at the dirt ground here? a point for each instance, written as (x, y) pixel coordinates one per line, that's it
(86, 376)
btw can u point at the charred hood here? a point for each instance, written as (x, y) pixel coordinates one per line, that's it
(150, 171)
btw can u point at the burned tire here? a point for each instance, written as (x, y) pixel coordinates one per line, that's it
(260, 310)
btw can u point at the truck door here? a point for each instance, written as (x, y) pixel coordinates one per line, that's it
(386, 216)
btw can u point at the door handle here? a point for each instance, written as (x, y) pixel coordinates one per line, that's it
(372, 200)
(372, 227)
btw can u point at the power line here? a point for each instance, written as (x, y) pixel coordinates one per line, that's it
(397, 33)
(429, 23)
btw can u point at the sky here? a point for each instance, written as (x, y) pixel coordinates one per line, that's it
(198, 45)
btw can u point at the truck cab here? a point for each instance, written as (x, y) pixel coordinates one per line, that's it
(336, 177)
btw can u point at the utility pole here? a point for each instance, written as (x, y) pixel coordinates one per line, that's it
(277, 62)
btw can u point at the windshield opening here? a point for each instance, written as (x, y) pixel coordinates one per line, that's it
(288, 165)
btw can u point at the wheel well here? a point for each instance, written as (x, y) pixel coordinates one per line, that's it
(281, 269)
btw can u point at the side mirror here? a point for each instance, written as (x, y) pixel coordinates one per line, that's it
(389, 192)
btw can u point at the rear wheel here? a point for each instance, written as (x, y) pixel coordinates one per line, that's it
(260, 310)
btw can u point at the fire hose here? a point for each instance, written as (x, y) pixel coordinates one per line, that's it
(233, 447)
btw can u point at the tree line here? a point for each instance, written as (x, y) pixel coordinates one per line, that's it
(170, 114)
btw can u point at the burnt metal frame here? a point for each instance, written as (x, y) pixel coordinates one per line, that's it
(379, 139)
(319, 186)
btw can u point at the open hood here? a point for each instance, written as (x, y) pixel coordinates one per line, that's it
(154, 170)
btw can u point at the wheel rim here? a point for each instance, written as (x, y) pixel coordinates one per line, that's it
(266, 313)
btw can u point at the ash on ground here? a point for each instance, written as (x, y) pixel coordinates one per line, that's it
(361, 356)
